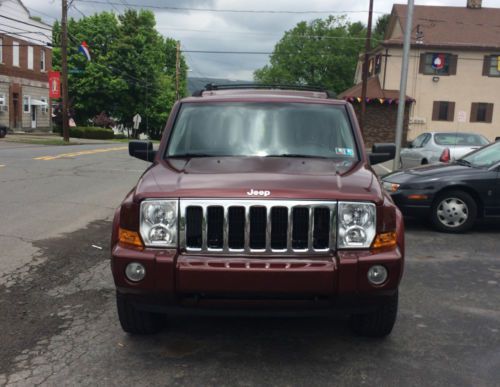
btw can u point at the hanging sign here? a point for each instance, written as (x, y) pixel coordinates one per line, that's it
(54, 84)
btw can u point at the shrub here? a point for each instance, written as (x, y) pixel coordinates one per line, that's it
(90, 132)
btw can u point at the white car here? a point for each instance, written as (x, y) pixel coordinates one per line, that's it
(433, 147)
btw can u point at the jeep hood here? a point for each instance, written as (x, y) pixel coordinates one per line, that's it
(235, 177)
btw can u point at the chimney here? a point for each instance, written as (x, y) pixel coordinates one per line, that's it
(474, 4)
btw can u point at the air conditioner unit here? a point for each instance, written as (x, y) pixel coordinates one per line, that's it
(4, 108)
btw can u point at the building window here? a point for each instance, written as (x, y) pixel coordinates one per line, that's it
(42, 59)
(435, 63)
(27, 104)
(443, 111)
(481, 112)
(15, 54)
(30, 57)
(1, 50)
(44, 108)
(491, 65)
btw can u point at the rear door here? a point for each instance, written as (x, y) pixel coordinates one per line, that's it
(412, 157)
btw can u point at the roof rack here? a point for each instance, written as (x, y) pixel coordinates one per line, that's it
(213, 86)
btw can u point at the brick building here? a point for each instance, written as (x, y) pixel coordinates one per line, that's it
(25, 60)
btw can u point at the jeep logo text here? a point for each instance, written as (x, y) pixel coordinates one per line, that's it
(253, 192)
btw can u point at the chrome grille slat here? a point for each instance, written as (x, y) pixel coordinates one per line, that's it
(329, 206)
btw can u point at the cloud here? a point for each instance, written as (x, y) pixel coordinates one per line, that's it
(226, 31)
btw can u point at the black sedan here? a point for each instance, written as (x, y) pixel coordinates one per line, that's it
(452, 195)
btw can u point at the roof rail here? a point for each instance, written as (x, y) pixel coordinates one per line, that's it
(213, 86)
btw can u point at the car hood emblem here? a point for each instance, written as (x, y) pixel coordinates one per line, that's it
(254, 192)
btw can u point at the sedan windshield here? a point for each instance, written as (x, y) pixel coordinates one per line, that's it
(263, 129)
(485, 157)
(460, 139)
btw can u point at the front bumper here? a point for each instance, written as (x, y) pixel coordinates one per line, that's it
(175, 283)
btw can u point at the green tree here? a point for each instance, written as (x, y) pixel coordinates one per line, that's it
(320, 53)
(130, 71)
(380, 27)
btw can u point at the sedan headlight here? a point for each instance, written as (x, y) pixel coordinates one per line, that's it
(390, 187)
(357, 225)
(159, 223)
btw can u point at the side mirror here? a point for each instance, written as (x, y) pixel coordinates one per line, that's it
(382, 152)
(410, 144)
(142, 150)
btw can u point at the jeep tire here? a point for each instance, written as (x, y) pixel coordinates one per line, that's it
(378, 323)
(136, 321)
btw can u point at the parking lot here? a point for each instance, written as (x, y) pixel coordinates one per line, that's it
(60, 324)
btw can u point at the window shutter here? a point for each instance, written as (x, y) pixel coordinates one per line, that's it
(452, 69)
(473, 112)
(489, 113)
(451, 111)
(435, 111)
(421, 68)
(486, 65)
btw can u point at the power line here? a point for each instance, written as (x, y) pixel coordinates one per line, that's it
(171, 8)
(21, 35)
(28, 24)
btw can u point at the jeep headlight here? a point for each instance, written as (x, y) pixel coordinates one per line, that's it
(357, 225)
(159, 223)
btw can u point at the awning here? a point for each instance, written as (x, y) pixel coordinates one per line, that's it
(37, 102)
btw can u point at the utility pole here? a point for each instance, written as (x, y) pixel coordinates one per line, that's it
(368, 47)
(177, 69)
(64, 70)
(402, 84)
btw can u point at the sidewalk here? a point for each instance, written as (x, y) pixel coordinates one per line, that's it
(51, 139)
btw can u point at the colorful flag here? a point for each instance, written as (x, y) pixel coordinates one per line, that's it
(84, 49)
(438, 61)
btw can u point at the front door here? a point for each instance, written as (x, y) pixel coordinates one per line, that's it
(33, 117)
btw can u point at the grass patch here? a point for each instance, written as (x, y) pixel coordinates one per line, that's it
(38, 141)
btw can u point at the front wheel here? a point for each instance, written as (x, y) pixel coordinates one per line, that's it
(3, 132)
(454, 211)
(136, 321)
(378, 323)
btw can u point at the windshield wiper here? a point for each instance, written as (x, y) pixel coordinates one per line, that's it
(183, 155)
(463, 162)
(298, 155)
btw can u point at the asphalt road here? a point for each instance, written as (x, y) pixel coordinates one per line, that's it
(58, 324)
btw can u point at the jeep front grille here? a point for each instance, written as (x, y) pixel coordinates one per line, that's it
(257, 226)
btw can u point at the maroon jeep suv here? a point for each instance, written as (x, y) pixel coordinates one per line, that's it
(259, 201)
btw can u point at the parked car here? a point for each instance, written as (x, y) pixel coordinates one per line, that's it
(451, 195)
(432, 147)
(3, 131)
(260, 200)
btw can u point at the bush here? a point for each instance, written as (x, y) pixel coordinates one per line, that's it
(90, 132)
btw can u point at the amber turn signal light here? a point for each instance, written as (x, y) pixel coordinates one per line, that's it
(130, 238)
(385, 240)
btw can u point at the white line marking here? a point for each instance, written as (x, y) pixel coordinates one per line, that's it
(387, 169)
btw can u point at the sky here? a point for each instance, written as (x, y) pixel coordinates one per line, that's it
(229, 31)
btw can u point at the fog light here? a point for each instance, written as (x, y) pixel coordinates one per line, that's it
(377, 275)
(135, 272)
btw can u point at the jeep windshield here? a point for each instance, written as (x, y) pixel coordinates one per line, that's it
(263, 130)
